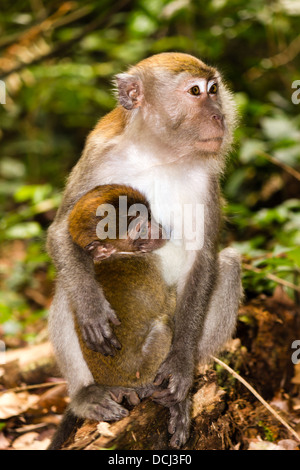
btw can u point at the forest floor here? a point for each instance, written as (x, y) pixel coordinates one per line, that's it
(225, 414)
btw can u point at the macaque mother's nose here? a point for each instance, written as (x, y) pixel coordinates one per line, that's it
(218, 117)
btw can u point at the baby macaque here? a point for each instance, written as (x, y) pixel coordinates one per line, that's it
(133, 285)
(128, 271)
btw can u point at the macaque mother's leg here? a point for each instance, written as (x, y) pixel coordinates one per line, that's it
(88, 400)
(219, 326)
(221, 317)
(66, 345)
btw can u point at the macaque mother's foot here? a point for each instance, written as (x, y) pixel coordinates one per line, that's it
(95, 402)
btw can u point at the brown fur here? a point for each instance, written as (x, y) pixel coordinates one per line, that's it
(83, 219)
(107, 125)
(137, 292)
(176, 63)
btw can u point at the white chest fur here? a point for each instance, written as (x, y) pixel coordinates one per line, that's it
(174, 191)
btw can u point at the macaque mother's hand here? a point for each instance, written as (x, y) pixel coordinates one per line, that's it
(173, 380)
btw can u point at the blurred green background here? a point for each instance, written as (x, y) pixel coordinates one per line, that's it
(57, 60)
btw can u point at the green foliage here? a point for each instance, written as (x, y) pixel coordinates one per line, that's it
(30, 201)
(268, 434)
(52, 104)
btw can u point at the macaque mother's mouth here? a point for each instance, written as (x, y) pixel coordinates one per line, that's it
(212, 139)
(213, 144)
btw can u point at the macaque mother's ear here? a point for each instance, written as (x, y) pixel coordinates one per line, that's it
(130, 90)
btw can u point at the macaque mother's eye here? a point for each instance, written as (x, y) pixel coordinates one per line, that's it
(195, 90)
(213, 89)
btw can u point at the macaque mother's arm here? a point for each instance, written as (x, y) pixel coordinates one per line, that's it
(177, 371)
(76, 275)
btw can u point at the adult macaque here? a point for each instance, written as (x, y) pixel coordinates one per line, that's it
(168, 138)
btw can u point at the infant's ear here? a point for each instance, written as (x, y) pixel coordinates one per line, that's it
(100, 251)
(130, 90)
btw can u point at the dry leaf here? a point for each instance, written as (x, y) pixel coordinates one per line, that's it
(280, 404)
(104, 429)
(29, 441)
(54, 398)
(296, 404)
(30, 354)
(206, 396)
(284, 444)
(4, 443)
(12, 404)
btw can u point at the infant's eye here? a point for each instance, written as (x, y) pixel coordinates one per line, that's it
(195, 90)
(213, 89)
(144, 231)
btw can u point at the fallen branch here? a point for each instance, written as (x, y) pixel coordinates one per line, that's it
(32, 387)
